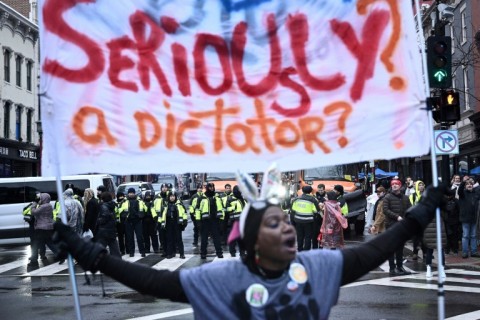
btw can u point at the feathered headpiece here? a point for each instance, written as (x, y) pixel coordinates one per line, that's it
(271, 193)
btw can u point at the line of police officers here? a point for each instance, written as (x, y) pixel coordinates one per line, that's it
(212, 216)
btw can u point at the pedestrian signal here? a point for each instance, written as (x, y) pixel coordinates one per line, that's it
(449, 106)
(439, 61)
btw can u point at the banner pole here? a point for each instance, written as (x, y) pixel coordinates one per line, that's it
(433, 158)
(71, 270)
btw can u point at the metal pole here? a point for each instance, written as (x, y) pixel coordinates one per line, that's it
(433, 156)
(71, 270)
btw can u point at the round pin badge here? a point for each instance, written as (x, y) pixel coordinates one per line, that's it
(298, 273)
(256, 295)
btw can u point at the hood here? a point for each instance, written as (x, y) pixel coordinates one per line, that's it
(419, 194)
(68, 193)
(44, 198)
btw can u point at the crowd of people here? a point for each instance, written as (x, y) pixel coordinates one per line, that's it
(459, 218)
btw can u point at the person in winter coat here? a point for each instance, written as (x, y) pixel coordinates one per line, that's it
(174, 220)
(395, 205)
(91, 210)
(378, 225)
(273, 281)
(105, 227)
(194, 210)
(211, 216)
(74, 211)
(321, 196)
(430, 243)
(121, 220)
(43, 213)
(333, 223)
(453, 228)
(414, 198)
(149, 224)
(236, 205)
(135, 212)
(467, 203)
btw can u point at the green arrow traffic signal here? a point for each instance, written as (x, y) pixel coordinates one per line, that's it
(439, 61)
(440, 75)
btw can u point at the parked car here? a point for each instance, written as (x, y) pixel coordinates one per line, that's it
(140, 187)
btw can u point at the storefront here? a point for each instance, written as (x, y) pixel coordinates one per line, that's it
(18, 159)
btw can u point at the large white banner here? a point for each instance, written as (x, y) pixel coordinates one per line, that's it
(141, 86)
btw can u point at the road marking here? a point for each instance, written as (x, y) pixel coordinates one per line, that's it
(466, 316)
(226, 256)
(164, 315)
(12, 265)
(48, 270)
(172, 264)
(396, 282)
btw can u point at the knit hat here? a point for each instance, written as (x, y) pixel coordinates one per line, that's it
(101, 188)
(395, 181)
(131, 190)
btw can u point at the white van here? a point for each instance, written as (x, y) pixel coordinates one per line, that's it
(16, 193)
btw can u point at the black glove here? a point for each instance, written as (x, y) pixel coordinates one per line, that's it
(424, 211)
(87, 253)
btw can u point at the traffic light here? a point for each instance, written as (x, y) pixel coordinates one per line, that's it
(449, 106)
(439, 61)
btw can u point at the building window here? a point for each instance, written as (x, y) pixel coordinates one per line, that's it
(464, 27)
(18, 70)
(18, 123)
(6, 65)
(29, 75)
(29, 125)
(6, 120)
(466, 89)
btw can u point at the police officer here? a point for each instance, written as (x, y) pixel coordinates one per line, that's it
(321, 196)
(237, 203)
(149, 223)
(174, 220)
(121, 220)
(159, 204)
(302, 214)
(343, 204)
(211, 214)
(226, 199)
(194, 210)
(133, 226)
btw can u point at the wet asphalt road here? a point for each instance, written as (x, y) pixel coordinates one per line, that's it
(375, 296)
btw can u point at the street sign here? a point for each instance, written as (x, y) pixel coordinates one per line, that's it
(446, 142)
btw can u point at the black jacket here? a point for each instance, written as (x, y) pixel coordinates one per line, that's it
(395, 205)
(467, 202)
(106, 220)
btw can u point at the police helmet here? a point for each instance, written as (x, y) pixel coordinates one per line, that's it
(69, 186)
